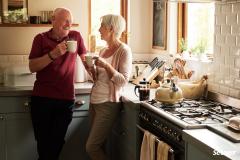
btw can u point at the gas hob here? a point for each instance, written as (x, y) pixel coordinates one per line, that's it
(198, 112)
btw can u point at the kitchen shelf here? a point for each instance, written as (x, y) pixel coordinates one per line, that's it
(29, 25)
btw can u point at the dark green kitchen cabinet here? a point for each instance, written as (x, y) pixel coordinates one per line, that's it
(17, 140)
(2, 134)
(124, 137)
(77, 133)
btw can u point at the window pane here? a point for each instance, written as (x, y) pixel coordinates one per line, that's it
(98, 9)
(200, 30)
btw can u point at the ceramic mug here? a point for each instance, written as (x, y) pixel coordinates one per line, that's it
(71, 46)
(89, 60)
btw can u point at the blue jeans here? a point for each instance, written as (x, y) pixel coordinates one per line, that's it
(50, 119)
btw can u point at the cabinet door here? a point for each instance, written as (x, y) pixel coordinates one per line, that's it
(76, 137)
(2, 134)
(123, 143)
(20, 142)
(192, 152)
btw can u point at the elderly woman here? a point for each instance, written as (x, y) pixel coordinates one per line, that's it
(112, 72)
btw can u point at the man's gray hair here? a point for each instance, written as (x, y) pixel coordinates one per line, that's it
(116, 21)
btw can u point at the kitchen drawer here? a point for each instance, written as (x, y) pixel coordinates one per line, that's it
(84, 99)
(14, 104)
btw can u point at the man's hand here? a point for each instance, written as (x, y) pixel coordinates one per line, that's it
(59, 50)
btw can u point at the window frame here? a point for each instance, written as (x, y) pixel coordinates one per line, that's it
(182, 24)
(123, 12)
(182, 28)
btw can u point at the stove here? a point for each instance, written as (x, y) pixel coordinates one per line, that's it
(195, 113)
(167, 121)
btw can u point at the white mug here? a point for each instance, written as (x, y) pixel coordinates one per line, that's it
(89, 60)
(71, 46)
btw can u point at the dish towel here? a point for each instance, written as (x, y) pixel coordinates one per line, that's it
(148, 146)
(162, 150)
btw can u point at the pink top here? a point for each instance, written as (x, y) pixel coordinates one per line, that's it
(122, 62)
(57, 79)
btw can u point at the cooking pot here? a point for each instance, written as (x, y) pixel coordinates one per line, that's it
(169, 93)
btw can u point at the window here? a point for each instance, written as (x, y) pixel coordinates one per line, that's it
(100, 8)
(196, 27)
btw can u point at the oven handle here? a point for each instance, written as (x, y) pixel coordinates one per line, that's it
(157, 139)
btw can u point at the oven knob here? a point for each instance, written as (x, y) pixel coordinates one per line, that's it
(178, 138)
(172, 134)
(175, 135)
(169, 132)
(165, 129)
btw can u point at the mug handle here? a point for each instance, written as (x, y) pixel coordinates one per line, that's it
(135, 89)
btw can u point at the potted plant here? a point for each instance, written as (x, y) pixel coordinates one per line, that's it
(200, 49)
(184, 48)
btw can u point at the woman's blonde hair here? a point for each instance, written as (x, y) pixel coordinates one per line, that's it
(117, 22)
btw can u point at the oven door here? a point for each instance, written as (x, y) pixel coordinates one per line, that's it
(163, 129)
(157, 140)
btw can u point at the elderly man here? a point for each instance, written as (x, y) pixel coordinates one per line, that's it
(53, 93)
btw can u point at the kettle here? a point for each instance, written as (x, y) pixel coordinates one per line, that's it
(169, 93)
(143, 90)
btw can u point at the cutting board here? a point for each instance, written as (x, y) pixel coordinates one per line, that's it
(225, 131)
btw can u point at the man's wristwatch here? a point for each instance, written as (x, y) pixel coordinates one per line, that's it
(50, 56)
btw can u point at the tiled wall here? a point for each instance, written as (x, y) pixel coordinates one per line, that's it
(7, 61)
(225, 73)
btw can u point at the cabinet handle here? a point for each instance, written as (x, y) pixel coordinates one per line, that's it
(79, 103)
(27, 106)
(2, 117)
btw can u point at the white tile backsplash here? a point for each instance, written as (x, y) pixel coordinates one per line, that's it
(226, 8)
(235, 30)
(236, 8)
(224, 90)
(7, 61)
(232, 19)
(226, 29)
(234, 92)
(226, 66)
(230, 40)
(221, 20)
(237, 62)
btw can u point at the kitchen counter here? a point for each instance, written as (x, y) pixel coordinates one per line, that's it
(212, 144)
(80, 88)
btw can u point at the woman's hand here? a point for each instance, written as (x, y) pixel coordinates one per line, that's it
(100, 62)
